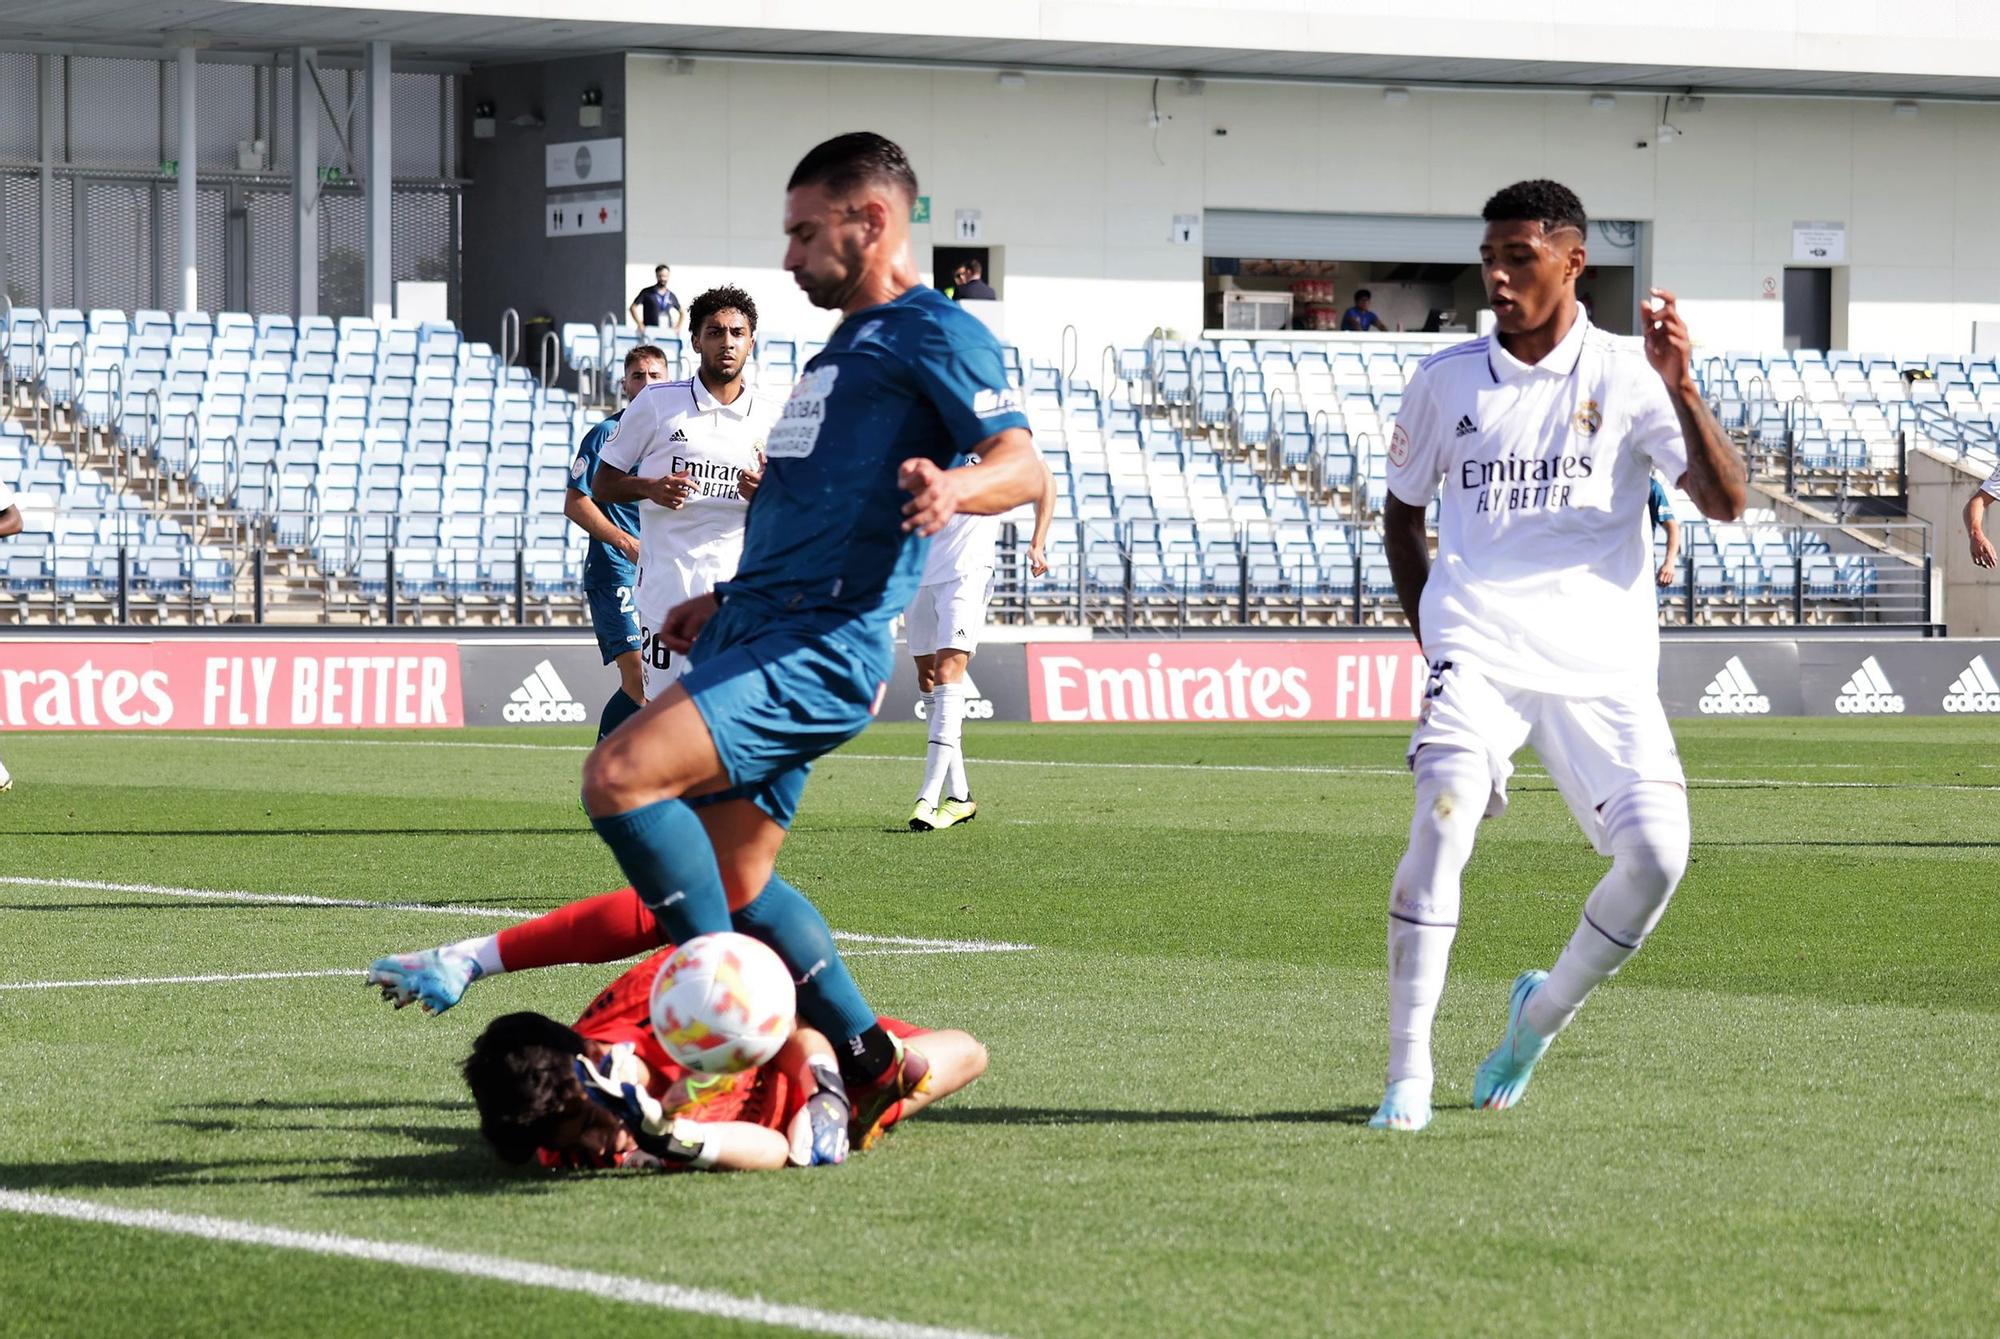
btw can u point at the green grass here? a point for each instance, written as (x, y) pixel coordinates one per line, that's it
(1783, 1117)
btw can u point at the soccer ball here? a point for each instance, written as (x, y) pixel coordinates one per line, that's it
(722, 1003)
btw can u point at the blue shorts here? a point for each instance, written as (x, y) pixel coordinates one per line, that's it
(614, 620)
(779, 692)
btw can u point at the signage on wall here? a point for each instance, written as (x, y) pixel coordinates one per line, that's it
(1819, 242)
(970, 226)
(1769, 292)
(590, 162)
(1186, 230)
(920, 209)
(583, 215)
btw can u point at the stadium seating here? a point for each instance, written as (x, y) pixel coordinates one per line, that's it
(1203, 482)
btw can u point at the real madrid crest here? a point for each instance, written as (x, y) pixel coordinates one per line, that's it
(1589, 418)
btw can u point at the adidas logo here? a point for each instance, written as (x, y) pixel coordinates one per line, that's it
(1868, 692)
(977, 706)
(1733, 693)
(1466, 427)
(680, 435)
(542, 699)
(1974, 690)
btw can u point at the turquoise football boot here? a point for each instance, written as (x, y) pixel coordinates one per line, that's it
(1503, 1076)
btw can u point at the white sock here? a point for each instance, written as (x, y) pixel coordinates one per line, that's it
(484, 952)
(1453, 787)
(943, 744)
(957, 786)
(1646, 827)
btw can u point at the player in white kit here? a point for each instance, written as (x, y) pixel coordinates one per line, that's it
(1538, 619)
(942, 626)
(691, 454)
(10, 524)
(1975, 520)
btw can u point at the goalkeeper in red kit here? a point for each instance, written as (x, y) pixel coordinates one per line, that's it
(604, 1093)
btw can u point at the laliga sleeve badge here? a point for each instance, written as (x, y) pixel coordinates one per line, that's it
(577, 467)
(1399, 446)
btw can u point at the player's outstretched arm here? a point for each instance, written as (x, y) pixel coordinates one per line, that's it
(1407, 546)
(1045, 515)
(1975, 527)
(1715, 473)
(1008, 474)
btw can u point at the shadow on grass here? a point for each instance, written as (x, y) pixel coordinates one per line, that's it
(454, 1161)
(950, 1115)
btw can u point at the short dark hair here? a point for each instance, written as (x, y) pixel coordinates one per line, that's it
(726, 298)
(663, 266)
(522, 1072)
(640, 353)
(1549, 203)
(846, 161)
(1363, 295)
(975, 269)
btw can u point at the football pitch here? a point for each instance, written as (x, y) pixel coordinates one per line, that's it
(1782, 1117)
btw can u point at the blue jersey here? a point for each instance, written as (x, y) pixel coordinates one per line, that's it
(918, 376)
(605, 567)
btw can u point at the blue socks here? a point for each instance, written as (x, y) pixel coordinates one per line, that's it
(828, 998)
(665, 852)
(619, 709)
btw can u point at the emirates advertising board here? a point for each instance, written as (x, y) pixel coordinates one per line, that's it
(228, 685)
(1225, 681)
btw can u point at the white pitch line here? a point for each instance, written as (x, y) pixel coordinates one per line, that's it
(912, 759)
(903, 943)
(178, 980)
(466, 1264)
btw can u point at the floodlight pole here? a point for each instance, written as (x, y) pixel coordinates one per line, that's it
(378, 187)
(185, 194)
(305, 185)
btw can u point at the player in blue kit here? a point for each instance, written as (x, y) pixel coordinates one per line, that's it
(609, 573)
(790, 658)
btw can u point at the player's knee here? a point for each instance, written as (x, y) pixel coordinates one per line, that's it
(1648, 830)
(614, 783)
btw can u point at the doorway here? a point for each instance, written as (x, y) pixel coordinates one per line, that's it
(945, 261)
(1808, 309)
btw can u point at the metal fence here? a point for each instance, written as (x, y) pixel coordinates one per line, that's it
(206, 565)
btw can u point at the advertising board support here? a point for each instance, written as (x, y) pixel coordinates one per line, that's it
(389, 577)
(124, 584)
(257, 584)
(520, 586)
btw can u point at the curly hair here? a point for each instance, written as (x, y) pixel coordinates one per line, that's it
(522, 1072)
(726, 298)
(1549, 203)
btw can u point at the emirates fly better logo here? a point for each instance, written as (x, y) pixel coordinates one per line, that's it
(1868, 693)
(1732, 692)
(1974, 690)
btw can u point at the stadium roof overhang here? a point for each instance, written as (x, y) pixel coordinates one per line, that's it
(1056, 37)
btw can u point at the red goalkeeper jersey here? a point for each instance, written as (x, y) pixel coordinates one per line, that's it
(769, 1096)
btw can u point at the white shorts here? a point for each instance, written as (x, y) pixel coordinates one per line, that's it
(1593, 747)
(949, 614)
(660, 588)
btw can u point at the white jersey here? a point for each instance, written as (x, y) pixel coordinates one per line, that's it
(1991, 487)
(964, 548)
(676, 426)
(1544, 576)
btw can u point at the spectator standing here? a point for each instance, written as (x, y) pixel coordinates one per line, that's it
(657, 307)
(972, 284)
